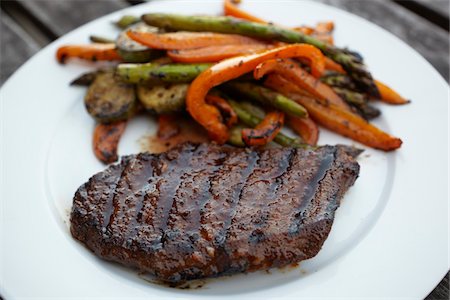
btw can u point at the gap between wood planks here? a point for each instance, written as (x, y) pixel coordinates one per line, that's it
(43, 35)
(29, 23)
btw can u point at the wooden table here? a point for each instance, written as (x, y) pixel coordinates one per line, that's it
(27, 26)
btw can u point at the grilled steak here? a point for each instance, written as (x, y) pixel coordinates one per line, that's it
(206, 210)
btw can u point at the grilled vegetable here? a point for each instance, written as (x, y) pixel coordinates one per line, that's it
(350, 61)
(359, 102)
(126, 21)
(235, 138)
(304, 127)
(230, 9)
(228, 114)
(92, 52)
(294, 73)
(338, 120)
(100, 40)
(163, 99)
(207, 115)
(390, 96)
(106, 140)
(154, 72)
(182, 40)
(214, 53)
(249, 119)
(265, 131)
(268, 97)
(132, 51)
(109, 99)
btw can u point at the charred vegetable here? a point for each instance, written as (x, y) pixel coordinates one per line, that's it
(246, 117)
(265, 131)
(351, 61)
(132, 51)
(267, 96)
(163, 99)
(127, 21)
(109, 99)
(106, 140)
(155, 72)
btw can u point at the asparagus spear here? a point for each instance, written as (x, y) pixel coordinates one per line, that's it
(338, 80)
(359, 102)
(235, 138)
(268, 96)
(126, 21)
(175, 73)
(351, 61)
(251, 120)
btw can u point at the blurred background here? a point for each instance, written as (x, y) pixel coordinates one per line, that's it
(29, 25)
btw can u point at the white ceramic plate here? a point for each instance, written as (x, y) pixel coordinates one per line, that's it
(390, 236)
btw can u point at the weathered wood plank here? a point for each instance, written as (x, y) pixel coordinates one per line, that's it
(16, 47)
(62, 16)
(429, 40)
(440, 6)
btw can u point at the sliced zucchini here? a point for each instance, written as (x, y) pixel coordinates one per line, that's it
(133, 52)
(163, 99)
(109, 99)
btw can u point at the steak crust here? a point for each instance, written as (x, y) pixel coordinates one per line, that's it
(203, 210)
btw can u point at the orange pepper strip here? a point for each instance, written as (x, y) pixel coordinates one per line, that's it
(207, 115)
(334, 118)
(333, 66)
(230, 9)
(188, 40)
(230, 115)
(304, 127)
(265, 131)
(106, 140)
(388, 95)
(294, 73)
(91, 52)
(214, 53)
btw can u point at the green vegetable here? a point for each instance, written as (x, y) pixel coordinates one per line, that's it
(163, 99)
(100, 39)
(267, 96)
(109, 99)
(338, 80)
(154, 72)
(251, 120)
(132, 51)
(359, 102)
(126, 21)
(351, 61)
(235, 138)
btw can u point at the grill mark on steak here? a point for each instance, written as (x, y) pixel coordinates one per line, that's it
(184, 220)
(217, 213)
(170, 183)
(109, 206)
(311, 188)
(128, 199)
(260, 220)
(229, 210)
